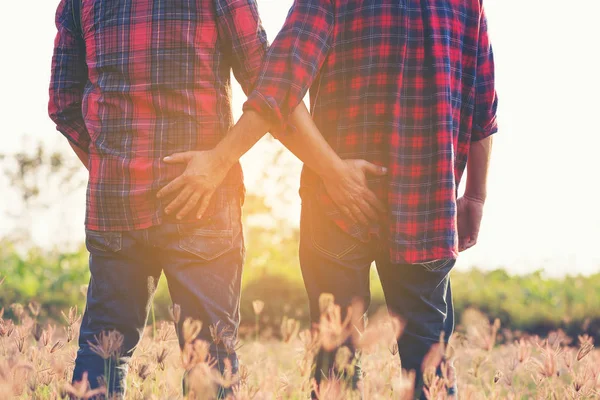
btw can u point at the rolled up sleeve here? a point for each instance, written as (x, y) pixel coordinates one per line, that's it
(486, 99)
(293, 62)
(68, 79)
(242, 32)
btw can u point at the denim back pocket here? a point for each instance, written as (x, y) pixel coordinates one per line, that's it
(330, 239)
(438, 265)
(209, 238)
(103, 242)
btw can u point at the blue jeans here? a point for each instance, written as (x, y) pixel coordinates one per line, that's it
(202, 262)
(336, 263)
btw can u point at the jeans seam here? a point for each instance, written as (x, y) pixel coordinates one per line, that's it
(319, 247)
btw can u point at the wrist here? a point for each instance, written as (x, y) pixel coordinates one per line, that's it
(224, 158)
(476, 197)
(333, 171)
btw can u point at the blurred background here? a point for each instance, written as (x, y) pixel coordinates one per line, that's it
(536, 266)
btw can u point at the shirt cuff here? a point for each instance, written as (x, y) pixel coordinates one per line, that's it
(79, 140)
(269, 109)
(481, 132)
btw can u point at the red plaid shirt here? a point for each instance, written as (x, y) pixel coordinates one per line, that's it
(142, 80)
(404, 84)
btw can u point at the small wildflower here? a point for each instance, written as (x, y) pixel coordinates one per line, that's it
(498, 376)
(343, 357)
(161, 356)
(404, 386)
(220, 335)
(289, 329)
(6, 328)
(258, 306)
(194, 354)
(47, 335)
(37, 331)
(586, 345)
(34, 308)
(72, 318)
(549, 366)
(191, 330)
(144, 371)
(18, 310)
(244, 374)
(332, 330)
(331, 389)
(231, 345)
(108, 344)
(523, 351)
(393, 348)
(175, 313)
(583, 383)
(326, 300)
(81, 389)
(56, 347)
(165, 332)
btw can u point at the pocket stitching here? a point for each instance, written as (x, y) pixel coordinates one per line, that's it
(444, 264)
(206, 257)
(319, 247)
(206, 233)
(108, 237)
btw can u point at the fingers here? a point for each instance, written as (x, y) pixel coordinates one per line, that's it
(368, 210)
(373, 169)
(179, 158)
(372, 199)
(174, 186)
(466, 243)
(179, 200)
(204, 204)
(189, 206)
(360, 217)
(347, 213)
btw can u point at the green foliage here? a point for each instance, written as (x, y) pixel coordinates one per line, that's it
(53, 279)
(528, 303)
(531, 302)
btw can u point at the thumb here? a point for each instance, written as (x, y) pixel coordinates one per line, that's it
(178, 158)
(374, 169)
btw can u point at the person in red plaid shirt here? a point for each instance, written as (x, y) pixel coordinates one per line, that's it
(135, 81)
(406, 85)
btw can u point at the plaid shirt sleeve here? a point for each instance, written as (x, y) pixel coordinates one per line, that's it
(486, 100)
(68, 79)
(293, 62)
(241, 30)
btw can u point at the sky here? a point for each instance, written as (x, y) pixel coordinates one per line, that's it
(542, 210)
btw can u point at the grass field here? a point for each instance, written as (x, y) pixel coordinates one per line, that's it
(539, 349)
(36, 362)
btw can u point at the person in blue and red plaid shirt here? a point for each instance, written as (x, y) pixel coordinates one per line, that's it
(409, 86)
(133, 82)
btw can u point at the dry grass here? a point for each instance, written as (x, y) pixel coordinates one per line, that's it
(36, 361)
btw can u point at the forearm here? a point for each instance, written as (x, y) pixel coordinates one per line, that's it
(306, 142)
(82, 155)
(309, 145)
(477, 169)
(250, 128)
